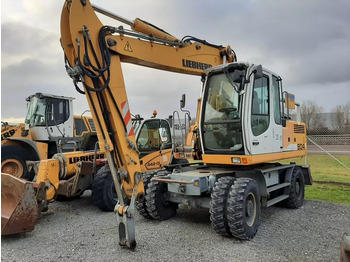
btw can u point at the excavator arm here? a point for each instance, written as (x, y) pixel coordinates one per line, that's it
(94, 53)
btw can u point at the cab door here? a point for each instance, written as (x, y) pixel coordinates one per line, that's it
(264, 121)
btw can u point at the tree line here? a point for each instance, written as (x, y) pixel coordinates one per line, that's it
(315, 119)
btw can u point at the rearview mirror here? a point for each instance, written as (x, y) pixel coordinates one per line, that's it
(183, 101)
(237, 76)
(258, 72)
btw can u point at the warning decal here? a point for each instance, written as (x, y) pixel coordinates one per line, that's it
(128, 47)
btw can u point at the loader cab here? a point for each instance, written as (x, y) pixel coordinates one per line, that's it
(152, 135)
(241, 111)
(49, 116)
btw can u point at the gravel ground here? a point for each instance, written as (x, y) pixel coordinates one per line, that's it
(78, 231)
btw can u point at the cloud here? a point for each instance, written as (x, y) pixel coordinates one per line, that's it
(20, 41)
(306, 43)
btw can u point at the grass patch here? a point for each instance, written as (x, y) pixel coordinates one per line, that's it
(326, 169)
(331, 193)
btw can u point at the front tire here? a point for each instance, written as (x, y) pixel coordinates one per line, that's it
(218, 205)
(158, 207)
(141, 206)
(103, 190)
(13, 162)
(243, 209)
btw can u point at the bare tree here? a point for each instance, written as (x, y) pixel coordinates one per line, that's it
(341, 117)
(311, 115)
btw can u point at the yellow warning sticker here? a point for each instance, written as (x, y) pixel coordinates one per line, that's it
(128, 47)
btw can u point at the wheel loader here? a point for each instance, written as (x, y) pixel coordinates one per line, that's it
(243, 126)
(50, 127)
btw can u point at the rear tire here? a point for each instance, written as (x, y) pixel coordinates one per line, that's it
(141, 206)
(243, 209)
(158, 207)
(218, 205)
(297, 190)
(13, 162)
(103, 190)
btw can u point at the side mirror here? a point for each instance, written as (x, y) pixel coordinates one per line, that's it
(183, 101)
(258, 72)
(237, 76)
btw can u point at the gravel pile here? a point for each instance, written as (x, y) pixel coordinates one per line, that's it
(78, 231)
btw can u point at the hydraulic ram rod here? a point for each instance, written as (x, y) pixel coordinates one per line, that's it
(112, 15)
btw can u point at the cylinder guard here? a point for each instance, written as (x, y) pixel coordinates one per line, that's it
(19, 207)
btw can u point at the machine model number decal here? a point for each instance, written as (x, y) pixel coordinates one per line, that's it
(73, 160)
(195, 65)
(153, 165)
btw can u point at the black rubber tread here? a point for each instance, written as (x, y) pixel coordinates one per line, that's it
(63, 198)
(20, 154)
(236, 208)
(218, 205)
(157, 206)
(103, 190)
(296, 200)
(176, 161)
(141, 206)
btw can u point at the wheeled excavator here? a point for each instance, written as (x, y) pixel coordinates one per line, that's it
(242, 127)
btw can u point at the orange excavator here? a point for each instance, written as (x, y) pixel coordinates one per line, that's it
(242, 130)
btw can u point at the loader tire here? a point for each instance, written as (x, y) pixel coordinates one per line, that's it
(103, 190)
(218, 205)
(13, 162)
(141, 206)
(158, 207)
(297, 190)
(243, 208)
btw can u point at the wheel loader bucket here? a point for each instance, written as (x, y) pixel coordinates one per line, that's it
(19, 207)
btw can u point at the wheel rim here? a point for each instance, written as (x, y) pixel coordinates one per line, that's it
(250, 209)
(12, 167)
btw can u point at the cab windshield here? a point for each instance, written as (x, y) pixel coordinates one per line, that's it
(47, 111)
(36, 112)
(222, 129)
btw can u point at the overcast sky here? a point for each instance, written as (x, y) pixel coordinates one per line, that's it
(306, 42)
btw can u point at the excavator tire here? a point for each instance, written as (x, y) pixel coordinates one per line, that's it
(103, 190)
(141, 206)
(297, 190)
(157, 205)
(218, 205)
(13, 162)
(243, 208)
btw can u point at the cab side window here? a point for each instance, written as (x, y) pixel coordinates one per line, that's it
(80, 126)
(260, 118)
(276, 92)
(58, 112)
